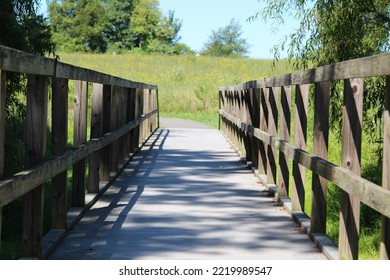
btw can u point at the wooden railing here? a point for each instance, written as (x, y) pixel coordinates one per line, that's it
(257, 117)
(123, 114)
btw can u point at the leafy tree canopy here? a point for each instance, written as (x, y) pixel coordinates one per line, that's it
(97, 25)
(226, 41)
(331, 30)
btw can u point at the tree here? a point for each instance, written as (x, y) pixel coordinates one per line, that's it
(78, 25)
(226, 41)
(22, 28)
(119, 35)
(331, 31)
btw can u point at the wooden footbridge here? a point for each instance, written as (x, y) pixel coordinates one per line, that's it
(140, 191)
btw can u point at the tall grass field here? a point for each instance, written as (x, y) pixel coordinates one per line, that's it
(188, 88)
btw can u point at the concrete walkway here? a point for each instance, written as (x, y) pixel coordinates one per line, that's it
(186, 196)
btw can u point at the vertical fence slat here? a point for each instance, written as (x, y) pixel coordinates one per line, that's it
(122, 121)
(106, 122)
(272, 130)
(285, 130)
(37, 98)
(254, 103)
(300, 138)
(96, 132)
(132, 100)
(115, 116)
(59, 140)
(264, 127)
(127, 137)
(79, 138)
(321, 137)
(3, 93)
(351, 147)
(385, 234)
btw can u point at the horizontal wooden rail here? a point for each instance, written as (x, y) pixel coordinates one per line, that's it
(257, 115)
(123, 114)
(27, 180)
(20, 62)
(369, 193)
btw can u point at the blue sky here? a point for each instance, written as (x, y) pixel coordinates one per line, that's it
(200, 17)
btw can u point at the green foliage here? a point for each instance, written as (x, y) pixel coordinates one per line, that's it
(117, 26)
(226, 41)
(331, 31)
(78, 25)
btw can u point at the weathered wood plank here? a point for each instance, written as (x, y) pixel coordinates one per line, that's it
(80, 108)
(264, 127)
(25, 181)
(351, 146)
(114, 124)
(96, 132)
(59, 138)
(106, 123)
(300, 140)
(72, 72)
(254, 111)
(127, 137)
(132, 99)
(3, 94)
(37, 98)
(285, 129)
(321, 137)
(372, 195)
(385, 233)
(372, 66)
(21, 62)
(273, 130)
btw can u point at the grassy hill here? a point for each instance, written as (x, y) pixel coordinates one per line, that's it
(188, 85)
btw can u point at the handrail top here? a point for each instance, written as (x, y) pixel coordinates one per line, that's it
(22, 62)
(371, 66)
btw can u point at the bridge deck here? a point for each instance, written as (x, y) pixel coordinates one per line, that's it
(186, 196)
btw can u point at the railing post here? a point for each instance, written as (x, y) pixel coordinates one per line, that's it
(132, 98)
(300, 140)
(321, 136)
(114, 124)
(127, 137)
(272, 104)
(37, 98)
(254, 112)
(351, 146)
(385, 234)
(262, 166)
(79, 138)
(59, 138)
(106, 122)
(3, 94)
(285, 129)
(96, 132)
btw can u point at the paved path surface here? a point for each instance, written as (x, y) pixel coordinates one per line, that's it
(186, 196)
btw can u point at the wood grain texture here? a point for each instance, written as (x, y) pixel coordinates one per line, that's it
(80, 107)
(59, 139)
(300, 140)
(96, 132)
(385, 233)
(37, 98)
(285, 130)
(351, 150)
(321, 138)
